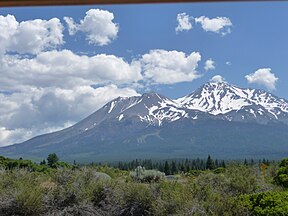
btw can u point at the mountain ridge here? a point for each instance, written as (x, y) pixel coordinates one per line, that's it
(256, 104)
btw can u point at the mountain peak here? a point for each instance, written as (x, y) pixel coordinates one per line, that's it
(215, 85)
(153, 97)
(219, 97)
(151, 94)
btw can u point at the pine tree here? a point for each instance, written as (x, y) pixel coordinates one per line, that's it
(174, 168)
(52, 159)
(209, 163)
(182, 167)
(216, 164)
(167, 169)
(223, 164)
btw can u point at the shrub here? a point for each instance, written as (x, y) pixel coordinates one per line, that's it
(30, 201)
(267, 203)
(281, 177)
(241, 179)
(20, 193)
(172, 197)
(136, 199)
(142, 175)
(112, 172)
(219, 170)
(8, 205)
(213, 194)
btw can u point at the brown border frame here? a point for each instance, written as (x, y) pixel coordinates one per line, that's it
(13, 3)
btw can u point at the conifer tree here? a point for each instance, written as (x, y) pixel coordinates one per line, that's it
(209, 163)
(173, 167)
(167, 168)
(52, 159)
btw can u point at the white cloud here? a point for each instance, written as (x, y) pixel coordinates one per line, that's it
(209, 65)
(72, 26)
(12, 136)
(219, 25)
(98, 26)
(217, 78)
(184, 23)
(4, 133)
(8, 26)
(66, 69)
(228, 63)
(32, 36)
(167, 67)
(264, 77)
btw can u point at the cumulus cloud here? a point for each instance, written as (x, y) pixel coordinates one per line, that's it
(209, 65)
(219, 25)
(32, 36)
(16, 135)
(167, 67)
(98, 26)
(66, 69)
(264, 77)
(72, 26)
(8, 26)
(184, 22)
(217, 78)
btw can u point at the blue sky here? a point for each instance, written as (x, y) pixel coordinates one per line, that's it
(49, 64)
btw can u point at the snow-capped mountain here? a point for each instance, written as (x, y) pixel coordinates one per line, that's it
(218, 118)
(234, 103)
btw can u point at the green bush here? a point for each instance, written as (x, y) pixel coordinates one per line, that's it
(242, 179)
(30, 200)
(173, 197)
(136, 199)
(219, 170)
(215, 194)
(112, 172)
(281, 177)
(267, 203)
(21, 193)
(142, 175)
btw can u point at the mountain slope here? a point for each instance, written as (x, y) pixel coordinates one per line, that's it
(218, 118)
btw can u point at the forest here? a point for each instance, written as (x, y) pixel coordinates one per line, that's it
(144, 187)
